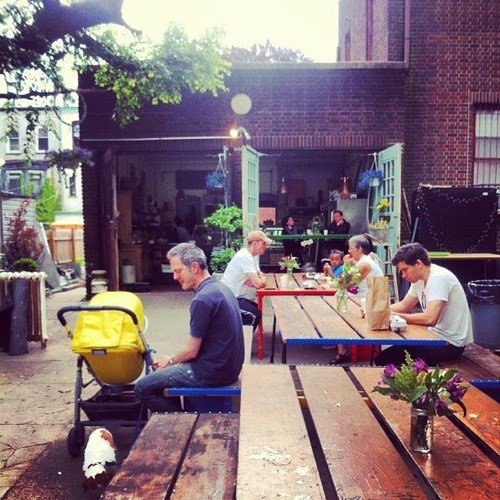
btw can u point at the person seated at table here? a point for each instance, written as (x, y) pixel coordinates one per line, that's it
(214, 352)
(360, 250)
(335, 266)
(290, 247)
(338, 226)
(243, 275)
(444, 308)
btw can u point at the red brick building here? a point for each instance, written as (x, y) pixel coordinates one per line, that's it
(423, 74)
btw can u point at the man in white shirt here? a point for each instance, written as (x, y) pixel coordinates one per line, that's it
(444, 308)
(243, 275)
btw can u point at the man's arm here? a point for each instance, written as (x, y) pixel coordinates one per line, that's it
(428, 317)
(257, 280)
(189, 352)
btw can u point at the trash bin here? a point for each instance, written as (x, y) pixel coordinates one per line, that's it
(484, 300)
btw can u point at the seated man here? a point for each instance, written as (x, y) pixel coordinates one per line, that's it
(214, 352)
(243, 275)
(444, 308)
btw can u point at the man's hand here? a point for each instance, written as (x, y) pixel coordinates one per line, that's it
(160, 363)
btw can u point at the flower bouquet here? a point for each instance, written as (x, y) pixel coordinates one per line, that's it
(430, 392)
(383, 205)
(305, 251)
(346, 282)
(288, 263)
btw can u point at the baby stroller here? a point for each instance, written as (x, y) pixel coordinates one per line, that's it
(109, 340)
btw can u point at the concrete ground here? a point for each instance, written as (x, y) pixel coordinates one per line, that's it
(37, 396)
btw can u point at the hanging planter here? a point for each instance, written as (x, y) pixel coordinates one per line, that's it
(215, 180)
(370, 178)
(70, 159)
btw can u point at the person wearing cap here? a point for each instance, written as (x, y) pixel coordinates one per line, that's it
(243, 275)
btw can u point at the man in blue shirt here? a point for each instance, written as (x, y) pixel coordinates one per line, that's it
(214, 352)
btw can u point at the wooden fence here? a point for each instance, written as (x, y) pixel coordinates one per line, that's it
(66, 245)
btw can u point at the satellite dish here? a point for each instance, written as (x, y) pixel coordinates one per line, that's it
(241, 104)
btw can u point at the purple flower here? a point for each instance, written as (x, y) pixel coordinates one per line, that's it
(390, 371)
(440, 405)
(353, 289)
(423, 399)
(419, 365)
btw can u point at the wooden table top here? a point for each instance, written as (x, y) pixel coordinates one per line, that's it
(360, 438)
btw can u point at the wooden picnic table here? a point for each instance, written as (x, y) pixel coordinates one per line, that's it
(274, 288)
(319, 432)
(309, 317)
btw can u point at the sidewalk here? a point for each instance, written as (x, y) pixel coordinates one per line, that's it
(37, 397)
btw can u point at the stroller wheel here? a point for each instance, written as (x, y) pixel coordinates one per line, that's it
(76, 439)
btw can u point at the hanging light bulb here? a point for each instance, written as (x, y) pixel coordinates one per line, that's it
(283, 189)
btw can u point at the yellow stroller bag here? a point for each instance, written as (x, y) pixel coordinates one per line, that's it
(108, 339)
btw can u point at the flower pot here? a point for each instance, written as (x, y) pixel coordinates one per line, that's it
(421, 430)
(341, 300)
(381, 235)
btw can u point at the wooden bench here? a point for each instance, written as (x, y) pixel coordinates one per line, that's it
(180, 456)
(481, 367)
(207, 399)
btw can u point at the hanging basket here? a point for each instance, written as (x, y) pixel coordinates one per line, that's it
(215, 180)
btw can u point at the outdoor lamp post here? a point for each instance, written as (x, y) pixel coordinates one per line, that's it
(240, 132)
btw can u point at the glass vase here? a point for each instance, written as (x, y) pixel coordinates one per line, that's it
(287, 279)
(421, 430)
(341, 299)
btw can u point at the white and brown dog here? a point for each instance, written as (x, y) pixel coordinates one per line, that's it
(99, 462)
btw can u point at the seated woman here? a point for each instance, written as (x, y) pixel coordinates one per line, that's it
(290, 247)
(360, 248)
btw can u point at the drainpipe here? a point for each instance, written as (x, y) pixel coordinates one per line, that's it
(406, 47)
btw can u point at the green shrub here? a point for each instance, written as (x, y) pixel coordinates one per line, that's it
(25, 264)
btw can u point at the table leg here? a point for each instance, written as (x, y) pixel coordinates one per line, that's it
(260, 331)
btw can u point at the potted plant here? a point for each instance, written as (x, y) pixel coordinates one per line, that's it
(379, 230)
(370, 178)
(228, 220)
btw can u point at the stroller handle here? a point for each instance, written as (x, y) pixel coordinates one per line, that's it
(64, 310)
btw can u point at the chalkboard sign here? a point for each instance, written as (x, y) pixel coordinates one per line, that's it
(460, 220)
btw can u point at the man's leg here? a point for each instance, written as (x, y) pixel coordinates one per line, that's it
(431, 355)
(250, 306)
(149, 389)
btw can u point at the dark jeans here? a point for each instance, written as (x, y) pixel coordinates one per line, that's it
(431, 355)
(251, 307)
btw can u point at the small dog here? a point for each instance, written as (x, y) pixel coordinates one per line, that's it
(99, 462)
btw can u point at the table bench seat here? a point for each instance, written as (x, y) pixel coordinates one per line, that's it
(180, 456)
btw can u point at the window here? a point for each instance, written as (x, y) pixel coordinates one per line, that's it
(13, 181)
(72, 184)
(369, 30)
(347, 46)
(487, 150)
(13, 142)
(35, 180)
(43, 138)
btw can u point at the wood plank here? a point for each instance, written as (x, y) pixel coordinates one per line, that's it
(482, 418)
(153, 461)
(275, 457)
(484, 358)
(209, 469)
(333, 401)
(468, 369)
(327, 321)
(456, 468)
(291, 320)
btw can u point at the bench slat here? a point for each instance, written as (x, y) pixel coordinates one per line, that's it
(485, 358)
(209, 469)
(151, 465)
(275, 453)
(356, 472)
(455, 468)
